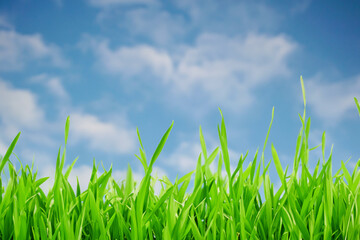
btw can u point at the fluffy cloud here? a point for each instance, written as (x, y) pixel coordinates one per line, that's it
(16, 50)
(130, 61)
(332, 101)
(228, 69)
(155, 22)
(19, 108)
(104, 136)
(141, 21)
(185, 157)
(223, 70)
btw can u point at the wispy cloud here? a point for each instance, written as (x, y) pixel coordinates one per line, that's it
(173, 23)
(332, 101)
(227, 69)
(224, 70)
(185, 157)
(130, 61)
(17, 50)
(170, 27)
(101, 135)
(53, 84)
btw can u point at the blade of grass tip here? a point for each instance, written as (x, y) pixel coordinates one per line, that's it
(357, 105)
(58, 162)
(253, 167)
(346, 174)
(224, 146)
(129, 182)
(304, 95)
(161, 145)
(323, 146)
(141, 198)
(203, 145)
(198, 173)
(67, 126)
(68, 171)
(78, 191)
(9, 151)
(303, 90)
(138, 134)
(212, 156)
(268, 132)
(278, 166)
(307, 129)
(142, 157)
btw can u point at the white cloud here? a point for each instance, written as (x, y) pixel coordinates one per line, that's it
(223, 70)
(227, 69)
(104, 136)
(185, 157)
(19, 108)
(55, 86)
(252, 59)
(16, 50)
(141, 21)
(111, 3)
(332, 101)
(131, 61)
(52, 84)
(47, 171)
(40, 156)
(83, 173)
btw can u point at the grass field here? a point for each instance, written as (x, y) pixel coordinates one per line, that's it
(308, 205)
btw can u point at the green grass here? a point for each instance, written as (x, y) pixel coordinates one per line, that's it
(308, 205)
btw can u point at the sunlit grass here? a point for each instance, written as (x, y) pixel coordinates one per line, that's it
(308, 205)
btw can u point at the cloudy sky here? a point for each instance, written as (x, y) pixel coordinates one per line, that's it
(114, 65)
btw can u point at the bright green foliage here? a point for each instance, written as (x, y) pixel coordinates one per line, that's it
(307, 205)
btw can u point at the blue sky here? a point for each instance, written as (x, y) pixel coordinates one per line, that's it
(114, 65)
